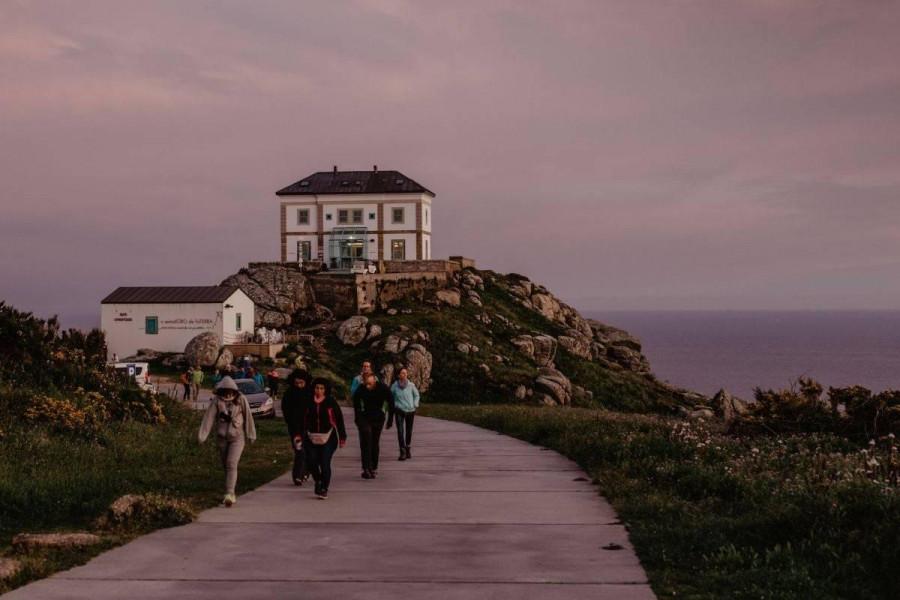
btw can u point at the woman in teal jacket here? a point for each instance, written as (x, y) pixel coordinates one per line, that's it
(403, 410)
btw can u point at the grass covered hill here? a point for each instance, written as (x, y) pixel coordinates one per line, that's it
(492, 338)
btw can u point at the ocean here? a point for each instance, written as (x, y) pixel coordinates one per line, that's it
(738, 350)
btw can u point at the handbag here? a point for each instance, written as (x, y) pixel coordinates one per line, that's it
(320, 439)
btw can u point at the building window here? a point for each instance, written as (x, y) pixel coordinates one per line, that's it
(151, 325)
(427, 255)
(304, 250)
(371, 216)
(237, 322)
(397, 215)
(343, 216)
(426, 217)
(357, 216)
(303, 217)
(328, 217)
(398, 249)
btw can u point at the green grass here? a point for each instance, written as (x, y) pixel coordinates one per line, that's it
(714, 516)
(56, 482)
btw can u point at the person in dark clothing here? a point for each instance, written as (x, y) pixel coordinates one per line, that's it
(321, 416)
(369, 403)
(297, 395)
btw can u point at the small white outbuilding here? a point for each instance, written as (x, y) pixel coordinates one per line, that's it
(167, 318)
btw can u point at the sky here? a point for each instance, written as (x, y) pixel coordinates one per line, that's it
(628, 155)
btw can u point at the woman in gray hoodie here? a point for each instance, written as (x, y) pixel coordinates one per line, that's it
(229, 414)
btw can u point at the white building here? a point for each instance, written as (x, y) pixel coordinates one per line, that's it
(343, 216)
(167, 318)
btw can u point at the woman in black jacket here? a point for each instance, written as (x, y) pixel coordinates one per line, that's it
(323, 433)
(297, 394)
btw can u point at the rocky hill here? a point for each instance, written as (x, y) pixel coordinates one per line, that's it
(486, 337)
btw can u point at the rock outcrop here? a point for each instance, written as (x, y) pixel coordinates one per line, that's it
(281, 292)
(728, 407)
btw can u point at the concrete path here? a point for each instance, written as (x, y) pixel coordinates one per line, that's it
(473, 515)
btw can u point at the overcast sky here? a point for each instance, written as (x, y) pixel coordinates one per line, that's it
(628, 154)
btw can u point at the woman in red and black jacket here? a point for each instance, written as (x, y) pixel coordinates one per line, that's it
(323, 432)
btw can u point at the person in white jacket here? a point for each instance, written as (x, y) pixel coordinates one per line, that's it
(402, 410)
(229, 414)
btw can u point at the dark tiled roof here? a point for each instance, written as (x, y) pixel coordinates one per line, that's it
(171, 295)
(354, 182)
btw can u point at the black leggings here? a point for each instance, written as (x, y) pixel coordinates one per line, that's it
(301, 469)
(319, 459)
(404, 421)
(370, 441)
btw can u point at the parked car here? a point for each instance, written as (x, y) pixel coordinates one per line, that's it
(262, 406)
(140, 371)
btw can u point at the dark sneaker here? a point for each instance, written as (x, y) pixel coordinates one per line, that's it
(323, 495)
(366, 474)
(402, 454)
(373, 473)
(408, 453)
(298, 481)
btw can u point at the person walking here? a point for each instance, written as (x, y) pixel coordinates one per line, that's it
(273, 381)
(229, 415)
(369, 403)
(293, 403)
(358, 380)
(196, 380)
(257, 377)
(186, 382)
(402, 410)
(323, 434)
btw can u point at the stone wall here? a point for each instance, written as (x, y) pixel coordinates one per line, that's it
(348, 294)
(420, 266)
(463, 262)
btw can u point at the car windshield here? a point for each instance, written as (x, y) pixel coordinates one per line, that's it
(249, 387)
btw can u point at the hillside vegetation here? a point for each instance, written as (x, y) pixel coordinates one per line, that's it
(75, 436)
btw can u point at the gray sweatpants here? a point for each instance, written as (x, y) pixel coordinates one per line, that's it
(230, 453)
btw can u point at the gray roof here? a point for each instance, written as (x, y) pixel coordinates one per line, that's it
(171, 295)
(354, 182)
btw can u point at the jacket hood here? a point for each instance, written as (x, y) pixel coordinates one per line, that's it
(227, 383)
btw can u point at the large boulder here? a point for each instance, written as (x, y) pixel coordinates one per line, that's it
(203, 349)
(280, 291)
(24, 541)
(449, 296)
(353, 331)
(547, 305)
(419, 362)
(544, 349)
(555, 385)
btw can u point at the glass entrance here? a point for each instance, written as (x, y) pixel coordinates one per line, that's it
(347, 245)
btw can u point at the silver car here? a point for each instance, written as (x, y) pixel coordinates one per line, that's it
(262, 405)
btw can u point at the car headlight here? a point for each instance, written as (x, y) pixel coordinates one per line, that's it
(268, 402)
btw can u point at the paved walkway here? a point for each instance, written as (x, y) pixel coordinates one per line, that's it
(473, 515)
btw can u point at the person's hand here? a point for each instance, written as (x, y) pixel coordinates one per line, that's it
(342, 443)
(388, 426)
